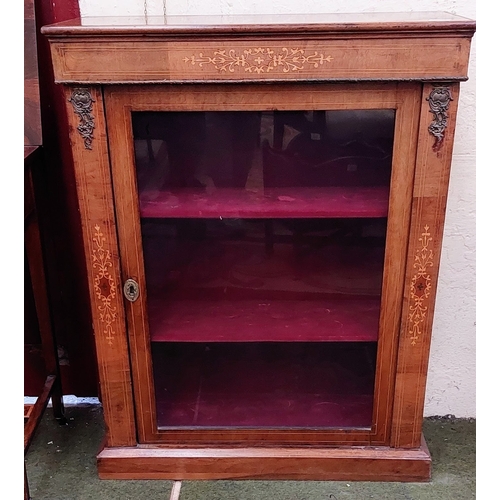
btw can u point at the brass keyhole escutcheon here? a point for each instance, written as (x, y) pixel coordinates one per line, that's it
(131, 290)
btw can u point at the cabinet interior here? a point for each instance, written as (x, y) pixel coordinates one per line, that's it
(263, 236)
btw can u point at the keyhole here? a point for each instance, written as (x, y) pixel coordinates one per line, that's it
(131, 290)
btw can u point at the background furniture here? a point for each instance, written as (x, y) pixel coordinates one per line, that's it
(38, 321)
(36, 277)
(192, 327)
(57, 211)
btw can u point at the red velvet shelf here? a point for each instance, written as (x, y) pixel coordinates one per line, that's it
(332, 202)
(254, 320)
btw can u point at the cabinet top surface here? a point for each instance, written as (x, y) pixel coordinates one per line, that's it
(213, 24)
(328, 47)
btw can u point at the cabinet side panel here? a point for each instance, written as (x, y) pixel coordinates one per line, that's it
(435, 144)
(87, 129)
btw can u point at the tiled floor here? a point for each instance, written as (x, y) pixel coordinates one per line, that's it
(61, 466)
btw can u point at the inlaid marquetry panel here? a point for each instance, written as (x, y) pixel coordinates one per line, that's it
(421, 286)
(257, 60)
(104, 283)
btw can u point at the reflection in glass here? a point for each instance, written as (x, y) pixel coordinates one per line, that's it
(255, 150)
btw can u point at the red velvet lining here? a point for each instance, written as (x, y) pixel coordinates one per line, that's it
(264, 385)
(330, 202)
(206, 320)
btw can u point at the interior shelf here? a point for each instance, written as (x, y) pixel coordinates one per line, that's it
(271, 385)
(219, 282)
(253, 320)
(331, 202)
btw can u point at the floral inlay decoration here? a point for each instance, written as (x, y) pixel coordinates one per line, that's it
(260, 60)
(104, 284)
(421, 285)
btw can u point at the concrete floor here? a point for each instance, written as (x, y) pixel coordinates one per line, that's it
(61, 466)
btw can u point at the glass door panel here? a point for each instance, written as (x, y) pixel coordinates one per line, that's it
(264, 238)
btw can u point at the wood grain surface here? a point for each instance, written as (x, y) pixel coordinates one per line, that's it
(331, 464)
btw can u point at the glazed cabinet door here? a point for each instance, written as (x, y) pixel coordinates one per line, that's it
(263, 234)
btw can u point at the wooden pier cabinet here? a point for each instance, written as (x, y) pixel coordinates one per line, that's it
(262, 203)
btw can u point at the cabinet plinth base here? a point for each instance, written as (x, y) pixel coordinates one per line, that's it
(336, 464)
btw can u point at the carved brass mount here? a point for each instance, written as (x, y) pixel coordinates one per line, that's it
(82, 100)
(439, 102)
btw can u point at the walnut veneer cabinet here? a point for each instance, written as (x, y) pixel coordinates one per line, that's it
(262, 202)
